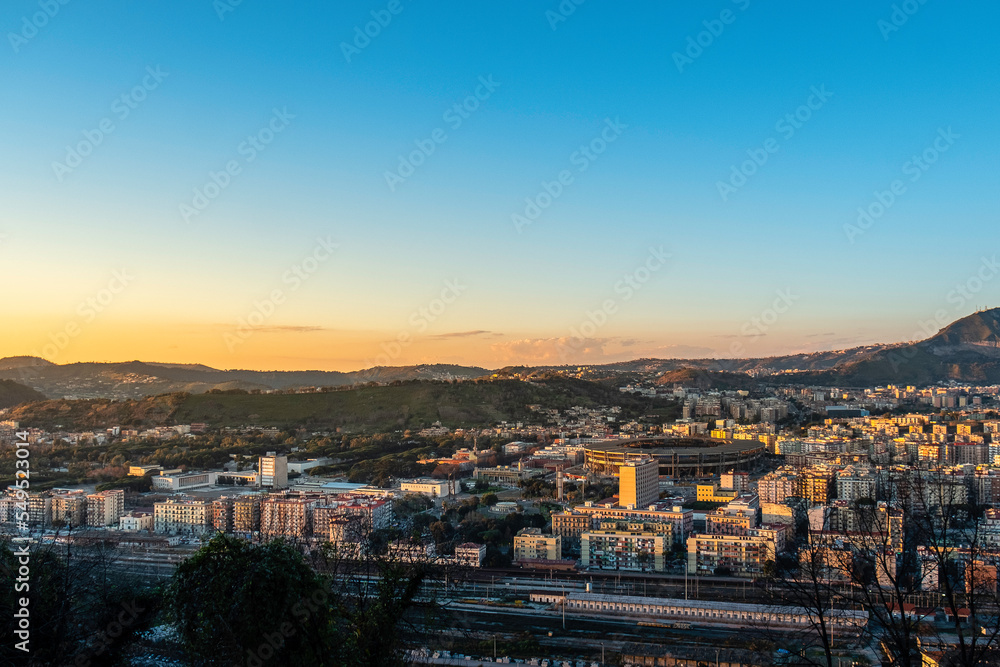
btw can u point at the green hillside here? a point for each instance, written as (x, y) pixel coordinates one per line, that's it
(94, 413)
(400, 406)
(12, 393)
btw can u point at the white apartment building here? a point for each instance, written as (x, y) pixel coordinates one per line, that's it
(178, 516)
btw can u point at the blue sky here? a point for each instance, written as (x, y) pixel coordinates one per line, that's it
(655, 185)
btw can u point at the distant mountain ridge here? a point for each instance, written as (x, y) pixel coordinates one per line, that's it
(135, 379)
(967, 350)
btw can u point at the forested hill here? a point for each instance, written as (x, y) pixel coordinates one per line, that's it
(368, 409)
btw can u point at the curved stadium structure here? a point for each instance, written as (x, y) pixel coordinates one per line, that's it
(695, 458)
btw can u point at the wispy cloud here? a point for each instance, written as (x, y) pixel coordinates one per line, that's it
(291, 329)
(466, 334)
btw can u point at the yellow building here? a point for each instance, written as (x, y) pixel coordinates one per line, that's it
(638, 483)
(530, 544)
(710, 493)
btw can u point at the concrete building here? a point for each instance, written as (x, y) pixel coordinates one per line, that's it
(273, 471)
(105, 508)
(531, 544)
(243, 478)
(639, 483)
(507, 475)
(435, 488)
(184, 481)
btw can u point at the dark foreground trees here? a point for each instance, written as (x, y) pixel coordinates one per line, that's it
(238, 603)
(83, 608)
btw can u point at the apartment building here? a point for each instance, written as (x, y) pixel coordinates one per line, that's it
(531, 544)
(370, 513)
(776, 486)
(739, 555)
(182, 516)
(39, 509)
(470, 554)
(721, 522)
(222, 514)
(105, 508)
(735, 481)
(69, 509)
(637, 550)
(681, 519)
(856, 483)
(570, 526)
(286, 516)
(246, 514)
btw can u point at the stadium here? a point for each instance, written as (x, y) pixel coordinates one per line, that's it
(692, 458)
